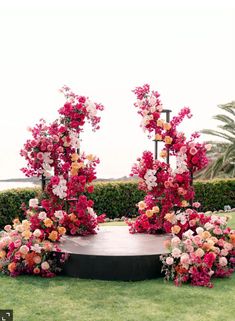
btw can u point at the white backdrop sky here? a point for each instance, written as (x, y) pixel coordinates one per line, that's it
(103, 49)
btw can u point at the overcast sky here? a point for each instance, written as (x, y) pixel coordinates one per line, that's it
(103, 49)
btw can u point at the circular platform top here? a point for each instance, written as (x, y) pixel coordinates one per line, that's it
(115, 241)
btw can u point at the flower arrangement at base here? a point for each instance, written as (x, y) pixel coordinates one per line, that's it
(200, 255)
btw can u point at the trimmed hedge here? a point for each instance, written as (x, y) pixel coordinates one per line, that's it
(10, 203)
(117, 199)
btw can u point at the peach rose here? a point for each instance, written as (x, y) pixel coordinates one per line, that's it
(53, 236)
(168, 140)
(61, 230)
(175, 229)
(48, 222)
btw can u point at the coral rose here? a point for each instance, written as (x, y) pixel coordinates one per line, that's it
(175, 229)
(48, 222)
(53, 236)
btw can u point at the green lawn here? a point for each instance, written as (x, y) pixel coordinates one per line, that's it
(68, 299)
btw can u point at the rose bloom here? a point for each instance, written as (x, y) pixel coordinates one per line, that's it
(53, 235)
(168, 140)
(149, 213)
(42, 215)
(205, 235)
(197, 239)
(228, 246)
(24, 249)
(169, 260)
(223, 261)
(61, 230)
(26, 224)
(193, 151)
(184, 259)
(189, 233)
(37, 259)
(184, 203)
(11, 267)
(158, 137)
(196, 204)
(176, 252)
(156, 209)
(7, 228)
(45, 265)
(167, 126)
(163, 153)
(48, 222)
(36, 270)
(19, 228)
(224, 252)
(17, 243)
(208, 226)
(2, 254)
(37, 233)
(142, 205)
(208, 147)
(160, 123)
(217, 231)
(33, 202)
(26, 234)
(175, 229)
(199, 252)
(199, 230)
(175, 241)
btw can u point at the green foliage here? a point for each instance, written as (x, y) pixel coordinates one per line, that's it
(214, 195)
(10, 203)
(117, 199)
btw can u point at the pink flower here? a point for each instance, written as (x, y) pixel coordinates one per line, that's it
(196, 204)
(7, 228)
(176, 252)
(45, 265)
(169, 260)
(33, 202)
(17, 243)
(223, 261)
(40, 156)
(199, 252)
(184, 259)
(193, 151)
(24, 249)
(175, 241)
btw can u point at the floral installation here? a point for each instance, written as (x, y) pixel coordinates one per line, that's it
(53, 153)
(202, 254)
(168, 206)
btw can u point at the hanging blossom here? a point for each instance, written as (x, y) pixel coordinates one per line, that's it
(181, 163)
(74, 139)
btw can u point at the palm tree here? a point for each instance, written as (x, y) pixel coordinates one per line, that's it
(222, 154)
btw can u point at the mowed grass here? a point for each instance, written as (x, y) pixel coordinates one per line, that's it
(69, 299)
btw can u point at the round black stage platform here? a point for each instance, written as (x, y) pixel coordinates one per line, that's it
(114, 254)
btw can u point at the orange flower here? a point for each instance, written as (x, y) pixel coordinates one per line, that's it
(72, 217)
(160, 122)
(48, 222)
(74, 157)
(168, 140)
(73, 172)
(158, 137)
(61, 230)
(206, 235)
(184, 203)
(170, 217)
(90, 157)
(149, 213)
(2, 254)
(156, 209)
(26, 234)
(175, 229)
(167, 126)
(232, 238)
(29, 258)
(53, 236)
(163, 153)
(141, 205)
(11, 267)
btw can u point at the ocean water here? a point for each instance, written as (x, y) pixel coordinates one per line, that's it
(9, 185)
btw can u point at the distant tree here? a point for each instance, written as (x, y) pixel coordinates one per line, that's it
(222, 154)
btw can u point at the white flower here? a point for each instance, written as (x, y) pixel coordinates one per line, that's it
(36, 248)
(91, 212)
(37, 232)
(59, 214)
(208, 226)
(45, 265)
(75, 142)
(33, 202)
(91, 108)
(42, 215)
(199, 230)
(61, 188)
(150, 178)
(189, 233)
(176, 253)
(169, 260)
(181, 164)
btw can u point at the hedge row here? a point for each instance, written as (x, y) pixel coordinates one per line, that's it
(118, 199)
